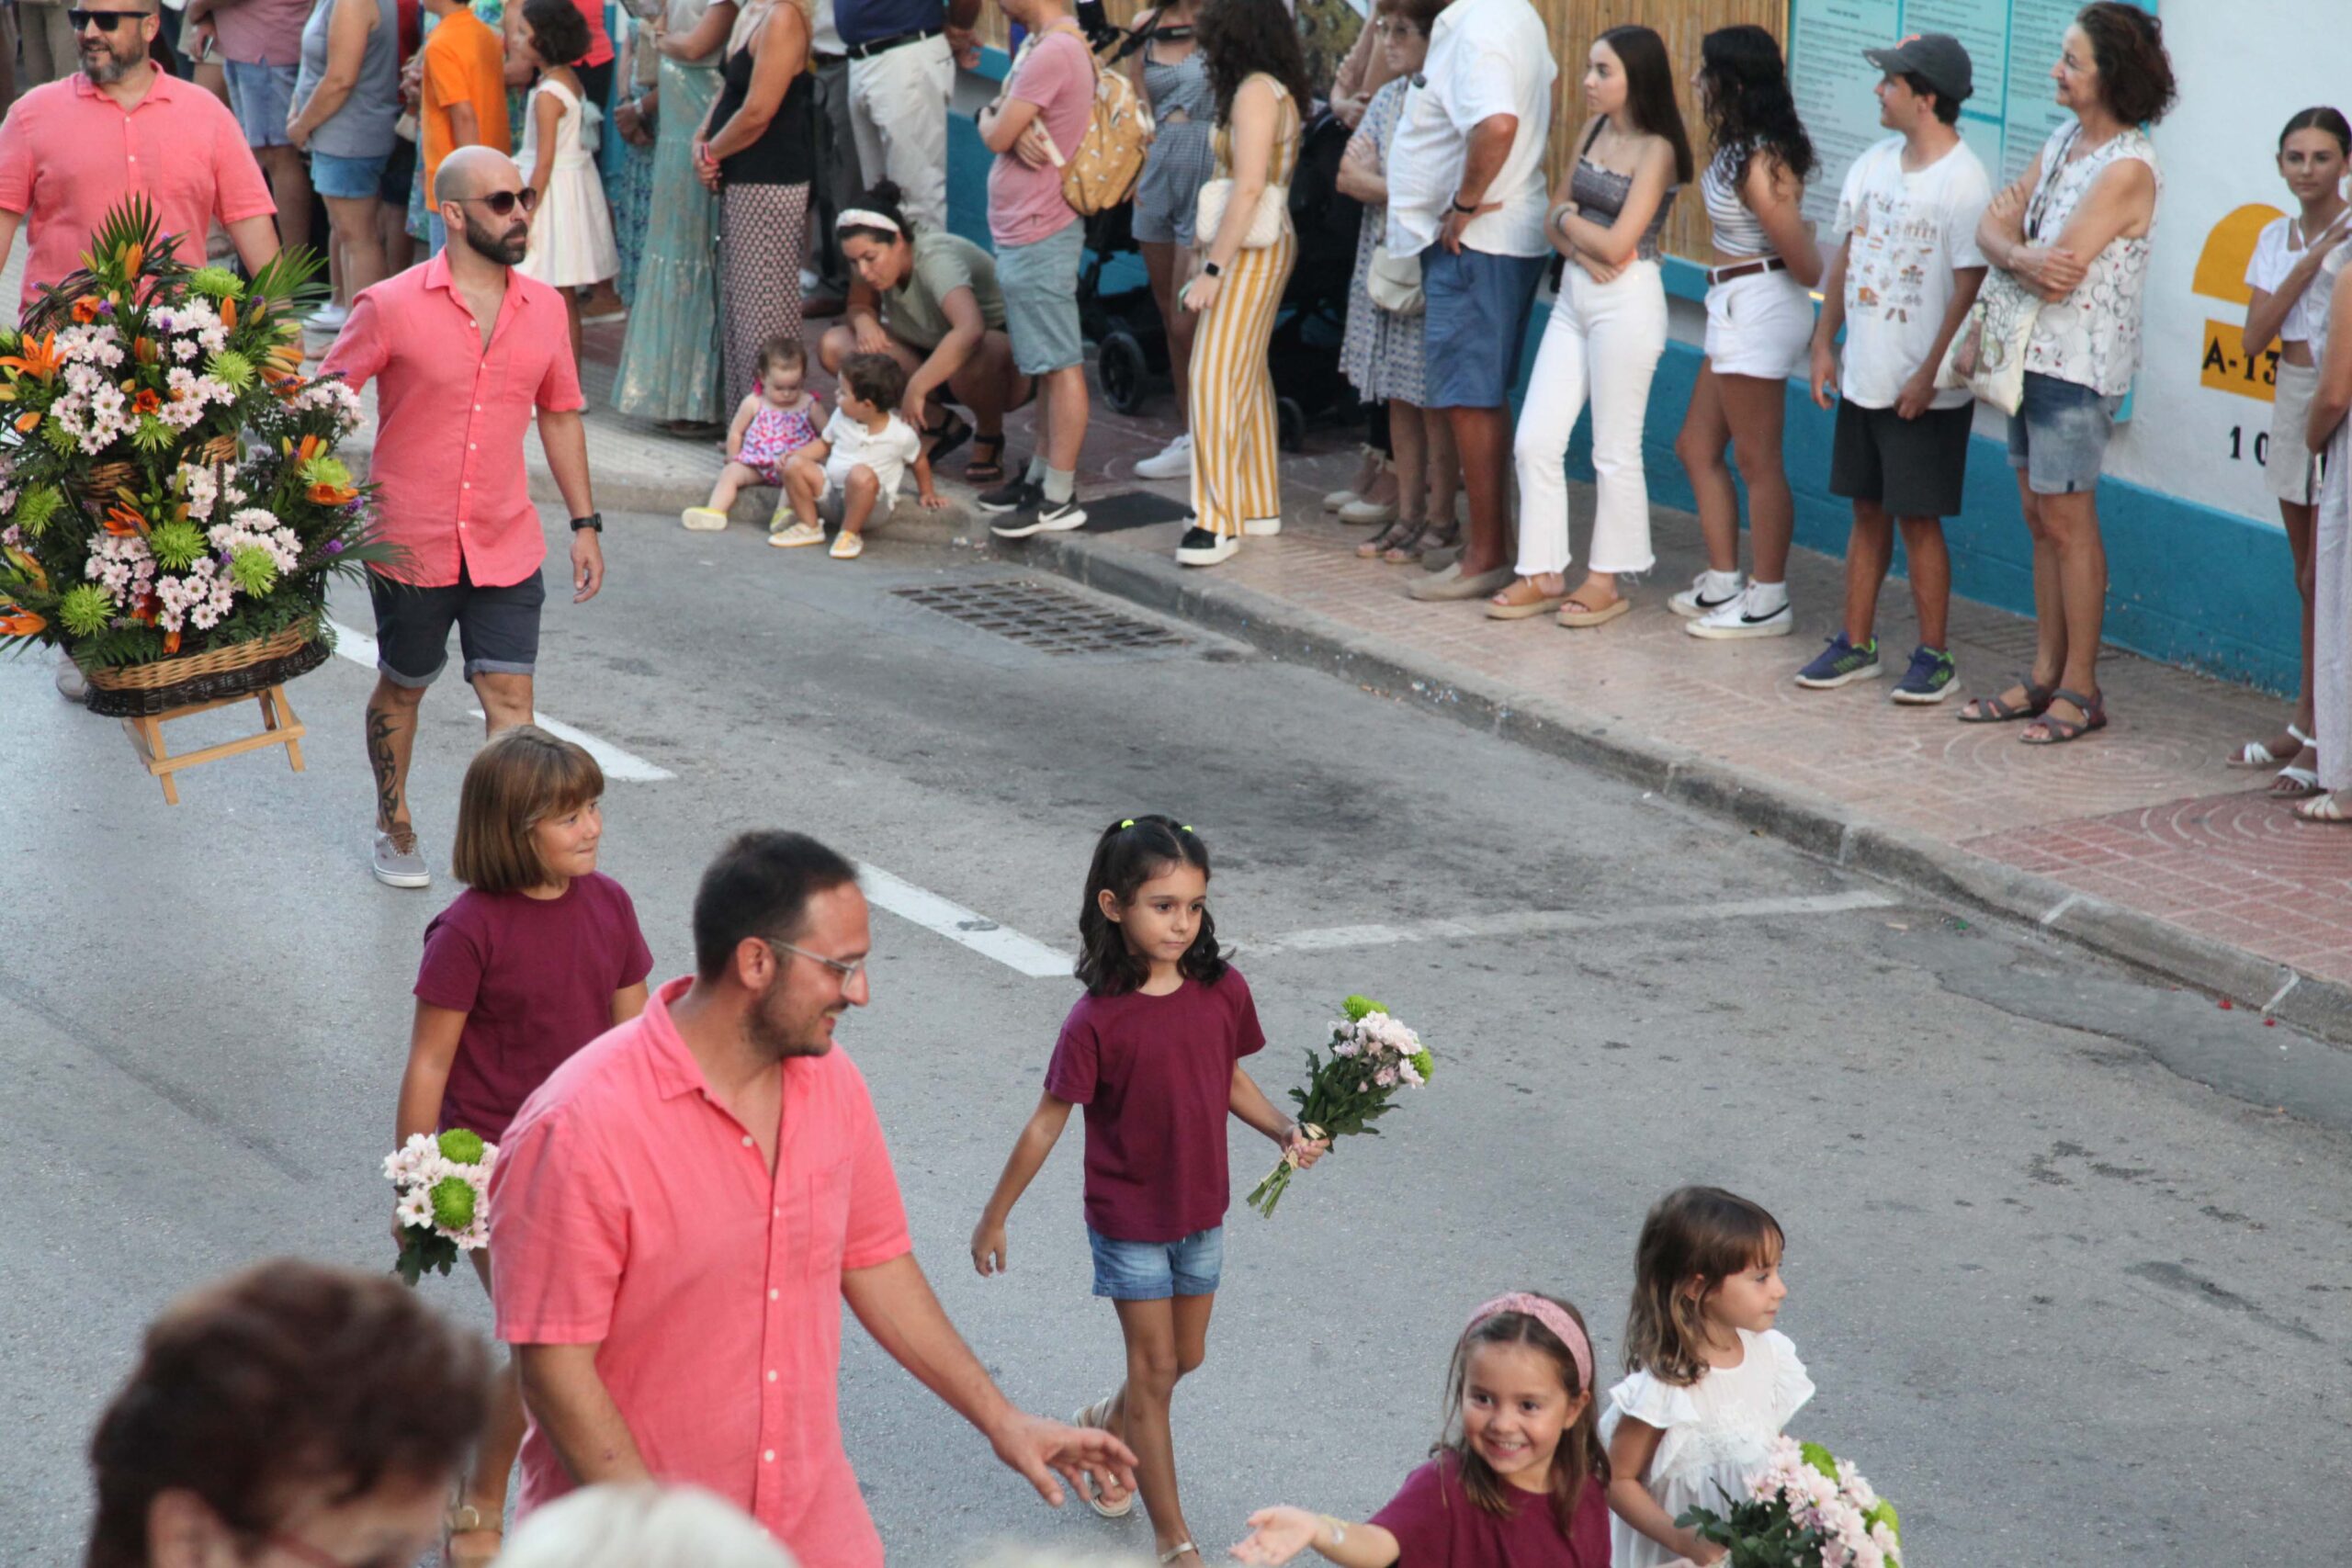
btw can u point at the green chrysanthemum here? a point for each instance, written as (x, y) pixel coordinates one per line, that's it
(231, 369)
(36, 509)
(85, 610)
(1358, 1008)
(61, 440)
(1424, 1064)
(453, 1202)
(253, 571)
(463, 1147)
(1821, 1459)
(217, 283)
(325, 471)
(154, 434)
(1882, 1513)
(176, 545)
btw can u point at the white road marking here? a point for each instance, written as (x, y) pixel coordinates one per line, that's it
(957, 924)
(617, 761)
(1544, 922)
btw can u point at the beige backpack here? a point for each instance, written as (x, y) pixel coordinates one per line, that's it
(1103, 172)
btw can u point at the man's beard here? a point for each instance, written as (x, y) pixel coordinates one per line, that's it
(113, 69)
(775, 1039)
(508, 249)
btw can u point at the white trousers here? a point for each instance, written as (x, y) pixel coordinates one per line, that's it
(2331, 617)
(898, 111)
(1603, 339)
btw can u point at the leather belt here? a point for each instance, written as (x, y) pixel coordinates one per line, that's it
(1757, 269)
(821, 58)
(884, 45)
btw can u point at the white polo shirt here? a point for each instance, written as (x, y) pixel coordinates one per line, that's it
(1486, 58)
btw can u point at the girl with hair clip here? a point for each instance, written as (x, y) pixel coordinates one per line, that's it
(1607, 331)
(1517, 1477)
(2289, 302)
(1759, 325)
(539, 954)
(1713, 1382)
(1153, 1050)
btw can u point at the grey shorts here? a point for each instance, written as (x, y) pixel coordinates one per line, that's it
(2058, 436)
(1168, 192)
(1475, 324)
(261, 96)
(497, 628)
(1040, 285)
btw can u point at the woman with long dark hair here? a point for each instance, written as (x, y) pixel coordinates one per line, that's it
(2289, 302)
(1607, 331)
(2076, 228)
(1259, 82)
(1759, 322)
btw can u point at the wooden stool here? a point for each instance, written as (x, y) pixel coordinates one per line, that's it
(280, 727)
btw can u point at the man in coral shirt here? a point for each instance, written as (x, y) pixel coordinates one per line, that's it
(462, 94)
(464, 350)
(679, 1212)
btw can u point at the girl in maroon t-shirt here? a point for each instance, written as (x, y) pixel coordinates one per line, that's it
(539, 956)
(1516, 1480)
(1153, 1050)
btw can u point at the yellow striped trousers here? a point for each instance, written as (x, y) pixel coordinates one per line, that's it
(1235, 476)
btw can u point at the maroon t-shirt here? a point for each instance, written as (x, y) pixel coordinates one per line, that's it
(1438, 1526)
(535, 978)
(1156, 1076)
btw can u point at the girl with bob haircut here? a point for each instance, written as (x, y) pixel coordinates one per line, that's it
(1759, 329)
(1713, 1381)
(288, 1413)
(539, 956)
(1153, 1050)
(1607, 331)
(643, 1526)
(1516, 1477)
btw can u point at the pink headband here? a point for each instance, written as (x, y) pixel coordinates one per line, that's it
(1551, 1317)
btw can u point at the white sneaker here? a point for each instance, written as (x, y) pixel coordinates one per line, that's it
(1261, 528)
(328, 318)
(1745, 617)
(1201, 547)
(1709, 592)
(1334, 500)
(1362, 511)
(1173, 461)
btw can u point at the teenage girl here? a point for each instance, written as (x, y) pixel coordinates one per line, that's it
(1713, 1382)
(2285, 305)
(1517, 1478)
(1153, 1050)
(1760, 324)
(539, 956)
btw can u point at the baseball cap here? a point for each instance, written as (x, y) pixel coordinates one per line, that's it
(1935, 59)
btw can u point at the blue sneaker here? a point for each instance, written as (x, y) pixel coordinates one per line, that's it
(1840, 662)
(1929, 679)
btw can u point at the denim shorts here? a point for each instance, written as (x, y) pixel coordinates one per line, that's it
(261, 96)
(1474, 323)
(497, 628)
(1155, 1270)
(348, 179)
(2058, 436)
(1040, 285)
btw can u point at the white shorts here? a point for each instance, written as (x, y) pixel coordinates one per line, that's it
(2287, 466)
(1759, 325)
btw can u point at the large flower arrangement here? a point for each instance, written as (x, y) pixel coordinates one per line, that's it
(1806, 1508)
(168, 483)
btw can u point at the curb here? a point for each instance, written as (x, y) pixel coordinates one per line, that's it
(1808, 822)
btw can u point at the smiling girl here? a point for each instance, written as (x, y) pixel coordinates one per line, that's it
(539, 956)
(1153, 1050)
(1515, 1482)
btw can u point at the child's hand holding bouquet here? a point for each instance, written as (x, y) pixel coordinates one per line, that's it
(443, 1203)
(1372, 1057)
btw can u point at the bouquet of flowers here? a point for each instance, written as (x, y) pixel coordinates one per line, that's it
(168, 484)
(1805, 1509)
(444, 1187)
(1372, 1057)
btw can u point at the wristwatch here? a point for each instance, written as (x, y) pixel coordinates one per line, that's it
(1213, 269)
(1461, 206)
(593, 520)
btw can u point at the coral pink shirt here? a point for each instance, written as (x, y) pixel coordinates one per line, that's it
(68, 154)
(451, 414)
(630, 1210)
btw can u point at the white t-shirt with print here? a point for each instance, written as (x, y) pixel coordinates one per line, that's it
(1910, 229)
(888, 451)
(2275, 252)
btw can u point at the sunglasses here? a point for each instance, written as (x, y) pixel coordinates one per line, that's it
(504, 202)
(108, 20)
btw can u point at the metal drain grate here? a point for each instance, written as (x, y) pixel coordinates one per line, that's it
(1044, 617)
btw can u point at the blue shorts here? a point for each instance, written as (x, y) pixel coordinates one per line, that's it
(1155, 1270)
(261, 96)
(1040, 285)
(348, 179)
(2058, 436)
(1474, 323)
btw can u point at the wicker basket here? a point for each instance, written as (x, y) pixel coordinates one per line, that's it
(98, 483)
(128, 690)
(219, 450)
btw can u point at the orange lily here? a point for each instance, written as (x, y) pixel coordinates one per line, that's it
(228, 314)
(39, 360)
(145, 349)
(134, 256)
(26, 422)
(31, 568)
(124, 522)
(171, 642)
(144, 609)
(333, 495)
(85, 309)
(311, 446)
(146, 402)
(18, 621)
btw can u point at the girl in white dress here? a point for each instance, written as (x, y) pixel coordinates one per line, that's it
(1712, 1383)
(572, 229)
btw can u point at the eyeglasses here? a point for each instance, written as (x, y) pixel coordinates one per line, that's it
(106, 21)
(848, 969)
(504, 202)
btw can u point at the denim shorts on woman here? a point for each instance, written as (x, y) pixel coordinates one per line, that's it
(1155, 1270)
(2058, 436)
(348, 179)
(1040, 285)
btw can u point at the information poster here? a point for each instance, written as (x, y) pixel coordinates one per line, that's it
(2011, 46)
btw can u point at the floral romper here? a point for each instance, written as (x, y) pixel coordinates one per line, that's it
(773, 436)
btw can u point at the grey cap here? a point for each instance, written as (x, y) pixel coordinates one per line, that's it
(1935, 59)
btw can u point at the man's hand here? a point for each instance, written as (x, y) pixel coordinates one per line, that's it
(1449, 233)
(964, 45)
(1918, 394)
(587, 564)
(1822, 377)
(1041, 1449)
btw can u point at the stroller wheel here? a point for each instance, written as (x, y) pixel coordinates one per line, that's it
(1120, 364)
(1290, 425)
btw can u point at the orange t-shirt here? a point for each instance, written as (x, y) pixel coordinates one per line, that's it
(465, 62)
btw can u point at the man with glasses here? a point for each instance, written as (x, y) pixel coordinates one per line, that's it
(680, 1212)
(464, 350)
(74, 149)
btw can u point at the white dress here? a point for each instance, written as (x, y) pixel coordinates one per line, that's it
(1716, 1432)
(572, 233)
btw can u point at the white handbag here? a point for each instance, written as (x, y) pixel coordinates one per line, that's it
(1266, 224)
(1394, 282)
(1987, 354)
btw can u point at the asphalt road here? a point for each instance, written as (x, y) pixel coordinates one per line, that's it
(2066, 1299)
